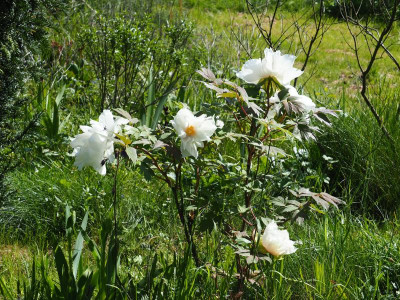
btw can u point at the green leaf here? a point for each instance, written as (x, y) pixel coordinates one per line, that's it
(74, 68)
(79, 247)
(64, 122)
(132, 154)
(158, 111)
(146, 170)
(242, 209)
(283, 93)
(40, 94)
(227, 95)
(290, 208)
(60, 96)
(150, 98)
(5, 291)
(241, 240)
(62, 270)
(67, 215)
(56, 121)
(317, 209)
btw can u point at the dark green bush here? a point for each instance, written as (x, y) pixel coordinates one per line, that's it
(364, 8)
(128, 54)
(23, 26)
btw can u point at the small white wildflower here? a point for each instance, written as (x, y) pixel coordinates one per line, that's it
(219, 124)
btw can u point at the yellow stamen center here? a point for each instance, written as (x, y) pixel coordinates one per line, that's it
(190, 131)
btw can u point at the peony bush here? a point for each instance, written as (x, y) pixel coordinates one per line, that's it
(232, 146)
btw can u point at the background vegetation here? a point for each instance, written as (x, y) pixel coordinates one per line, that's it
(61, 63)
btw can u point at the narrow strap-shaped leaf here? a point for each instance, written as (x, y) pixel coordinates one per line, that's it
(150, 98)
(60, 95)
(78, 247)
(158, 110)
(56, 121)
(62, 270)
(5, 292)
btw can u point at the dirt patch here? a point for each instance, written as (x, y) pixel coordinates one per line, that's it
(11, 255)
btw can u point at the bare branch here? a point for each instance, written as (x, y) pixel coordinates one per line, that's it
(374, 45)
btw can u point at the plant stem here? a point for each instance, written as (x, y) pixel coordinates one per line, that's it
(115, 208)
(187, 225)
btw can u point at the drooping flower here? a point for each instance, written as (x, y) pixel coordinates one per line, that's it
(193, 131)
(95, 145)
(304, 103)
(91, 148)
(301, 103)
(273, 65)
(276, 242)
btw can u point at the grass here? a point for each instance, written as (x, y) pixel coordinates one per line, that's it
(341, 257)
(348, 254)
(335, 63)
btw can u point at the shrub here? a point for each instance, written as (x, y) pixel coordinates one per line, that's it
(22, 32)
(370, 8)
(130, 54)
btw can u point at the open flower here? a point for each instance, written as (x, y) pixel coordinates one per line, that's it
(193, 130)
(91, 148)
(274, 65)
(276, 242)
(95, 145)
(107, 122)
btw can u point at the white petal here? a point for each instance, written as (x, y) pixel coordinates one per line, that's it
(219, 124)
(107, 119)
(189, 149)
(252, 71)
(182, 119)
(276, 241)
(274, 64)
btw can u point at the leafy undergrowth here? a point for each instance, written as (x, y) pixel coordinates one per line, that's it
(341, 257)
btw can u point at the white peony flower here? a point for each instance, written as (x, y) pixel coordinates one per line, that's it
(303, 103)
(96, 144)
(273, 65)
(276, 242)
(91, 148)
(108, 123)
(193, 130)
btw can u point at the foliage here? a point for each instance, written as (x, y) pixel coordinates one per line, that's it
(129, 55)
(370, 8)
(22, 35)
(75, 280)
(240, 6)
(342, 257)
